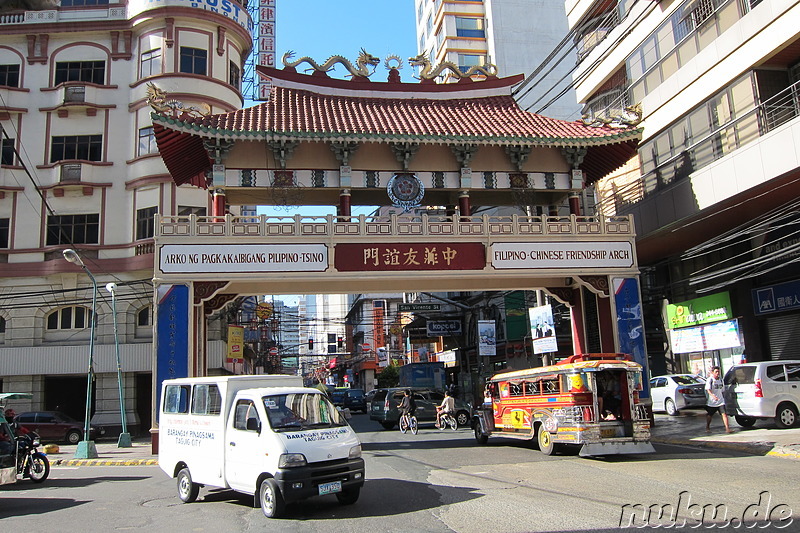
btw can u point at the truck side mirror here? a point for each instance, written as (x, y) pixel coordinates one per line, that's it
(253, 424)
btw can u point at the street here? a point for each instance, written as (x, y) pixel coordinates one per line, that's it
(435, 481)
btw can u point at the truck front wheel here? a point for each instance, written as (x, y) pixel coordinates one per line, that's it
(348, 496)
(187, 490)
(271, 499)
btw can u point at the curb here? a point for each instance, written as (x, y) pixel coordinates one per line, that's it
(760, 448)
(105, 462)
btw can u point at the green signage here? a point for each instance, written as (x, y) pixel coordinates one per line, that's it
(712, 308)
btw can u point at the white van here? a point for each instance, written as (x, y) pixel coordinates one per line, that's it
(767, 389)
(262, 435)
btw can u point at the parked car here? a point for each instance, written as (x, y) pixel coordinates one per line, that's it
(674, 392)
(336, 395)
(368, 398)
(54, 425)
(355, 400)
(383, 407)
(767, 389)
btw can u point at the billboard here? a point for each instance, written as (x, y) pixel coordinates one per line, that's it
(543, 332)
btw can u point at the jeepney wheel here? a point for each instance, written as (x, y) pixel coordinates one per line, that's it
(187, 489)
(745, 421)
(272, 504)
(479, 436)
(348, 496)
(546, 445)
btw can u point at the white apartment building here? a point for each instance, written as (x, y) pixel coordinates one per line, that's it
(514, 35)
(714, 190)
(80, 169)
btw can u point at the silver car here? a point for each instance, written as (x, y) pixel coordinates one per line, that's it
(764, 390)
(674, 392)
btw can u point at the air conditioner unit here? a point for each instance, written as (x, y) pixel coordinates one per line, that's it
(75, 93)
(71, 172)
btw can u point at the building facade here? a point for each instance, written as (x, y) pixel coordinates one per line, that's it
(513, 35)
(714, 188)
(81, 170)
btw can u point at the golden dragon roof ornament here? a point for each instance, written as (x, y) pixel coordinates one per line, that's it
(429, 72)
(364, 61)
(157, 99)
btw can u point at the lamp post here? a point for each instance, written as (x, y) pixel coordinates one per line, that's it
(86, 448)
(124, 437)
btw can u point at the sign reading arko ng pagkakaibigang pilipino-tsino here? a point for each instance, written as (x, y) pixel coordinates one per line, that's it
(226, 258)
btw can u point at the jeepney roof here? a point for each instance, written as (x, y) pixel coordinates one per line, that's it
(586, 366)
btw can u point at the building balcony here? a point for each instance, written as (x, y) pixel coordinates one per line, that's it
(738, 156)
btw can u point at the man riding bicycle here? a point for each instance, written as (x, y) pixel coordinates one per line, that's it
(407, 405)
(447, 407)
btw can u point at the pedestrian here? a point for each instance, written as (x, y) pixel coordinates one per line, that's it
(715, 401)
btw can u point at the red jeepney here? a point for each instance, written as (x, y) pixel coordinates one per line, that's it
(587, 404)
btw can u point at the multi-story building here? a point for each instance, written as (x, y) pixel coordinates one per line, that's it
(81, 170)
(714, 189)
(513, 35)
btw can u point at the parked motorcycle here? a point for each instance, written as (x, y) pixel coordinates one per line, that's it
(31, 463)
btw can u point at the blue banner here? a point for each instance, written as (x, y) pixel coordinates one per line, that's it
(172, 336)
(630, 326)
(777, 298)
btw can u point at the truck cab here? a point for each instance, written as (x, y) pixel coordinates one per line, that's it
(267, 436)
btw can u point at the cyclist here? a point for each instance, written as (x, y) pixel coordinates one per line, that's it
(448, 406)
(407, 405)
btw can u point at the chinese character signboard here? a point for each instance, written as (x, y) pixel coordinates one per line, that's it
(409, 256)
(265, 53)
(777, 298)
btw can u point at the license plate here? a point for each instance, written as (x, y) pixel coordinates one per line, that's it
(330, 488)
(608, 433)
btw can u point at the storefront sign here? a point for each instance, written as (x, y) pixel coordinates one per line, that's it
(409, 256)
(235, 344)
(510, 255)
(777, 298)
(438, 328)
(198, 258)
(712, 308)
(709, 337)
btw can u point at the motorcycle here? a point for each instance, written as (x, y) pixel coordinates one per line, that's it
(31, 463)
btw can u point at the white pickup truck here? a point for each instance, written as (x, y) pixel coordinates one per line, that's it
(262, 435)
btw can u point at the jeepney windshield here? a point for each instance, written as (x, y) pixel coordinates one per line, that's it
(297, 411)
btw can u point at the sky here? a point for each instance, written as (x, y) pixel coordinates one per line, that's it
(321, 28)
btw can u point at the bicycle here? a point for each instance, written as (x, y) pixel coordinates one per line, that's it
(445, 420)
(409, 422)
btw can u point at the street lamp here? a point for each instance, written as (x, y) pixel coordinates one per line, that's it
(86, 448)
(124, 437)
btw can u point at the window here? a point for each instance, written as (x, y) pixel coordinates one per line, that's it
(145, 223)
(176, 399)
(206, 400)
(9, 75)
(2, 325)
(147, 142)
(5, 224)
(80, 3)
(792, 370)
(75, 317)
(776, 373)
(245, 416)
(87, 147)
(151, 63)
(88, 71)
(469, 27)
(188, 210)
(193, 61)
(144, 317)
(465, 61)
(234, 76)
(7, 156)
(73, 229)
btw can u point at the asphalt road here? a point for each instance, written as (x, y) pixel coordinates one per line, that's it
(436, 481)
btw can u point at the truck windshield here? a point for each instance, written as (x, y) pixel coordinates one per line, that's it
(301, 411)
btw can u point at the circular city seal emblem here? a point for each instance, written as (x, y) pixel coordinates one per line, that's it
(405, 191)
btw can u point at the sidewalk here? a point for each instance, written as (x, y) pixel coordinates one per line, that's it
(689, 428)
(108, 454)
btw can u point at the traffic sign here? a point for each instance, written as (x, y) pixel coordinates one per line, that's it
(408, 308)
(273, 351)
